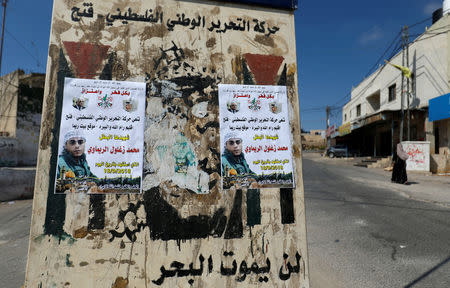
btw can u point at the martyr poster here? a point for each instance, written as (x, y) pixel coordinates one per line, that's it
(255, 136)
(101, 137)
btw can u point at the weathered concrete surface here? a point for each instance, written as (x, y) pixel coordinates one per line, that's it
(8, 104)
(27, 136)
(80, 240)
(20, 118)
(16, 183)
(21, 150)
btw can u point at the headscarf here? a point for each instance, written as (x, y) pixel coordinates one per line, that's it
(73, 134)
(401, 153)
(228, 136)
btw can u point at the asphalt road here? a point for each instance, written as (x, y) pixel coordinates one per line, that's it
(15, 219)
(361, 234)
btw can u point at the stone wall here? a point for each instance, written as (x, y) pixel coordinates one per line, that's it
(9, 85)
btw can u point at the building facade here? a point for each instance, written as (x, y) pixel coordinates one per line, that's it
(374, 111)
(20, 117)
(315, 139)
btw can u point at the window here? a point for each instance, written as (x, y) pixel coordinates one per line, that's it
(392, 93)
(358, 110)
(345, 117)
(374, 102)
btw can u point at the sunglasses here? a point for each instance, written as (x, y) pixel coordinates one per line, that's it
(73, 142)
(231, 142)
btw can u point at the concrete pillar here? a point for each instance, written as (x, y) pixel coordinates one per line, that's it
(184, 229)
(429, 134)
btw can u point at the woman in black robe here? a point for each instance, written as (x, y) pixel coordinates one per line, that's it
(399, 171)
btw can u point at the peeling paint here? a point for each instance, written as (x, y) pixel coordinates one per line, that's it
(267, 41)
(68, 262)
(120, 283)
(211, 42)
(80, 233)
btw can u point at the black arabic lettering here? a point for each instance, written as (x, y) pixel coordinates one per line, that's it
(182, 20)
(259, 26)
(288, 267)
(214, 26)
(177, 270)
(228, 271)
(87, 12)
(255, 269)
(272, 30)
(130, 16)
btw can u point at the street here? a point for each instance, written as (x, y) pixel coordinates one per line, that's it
(361, 234)
(362, 230)
(15, 218)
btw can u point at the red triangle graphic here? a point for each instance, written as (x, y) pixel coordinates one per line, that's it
(264, 67)
(86, 57)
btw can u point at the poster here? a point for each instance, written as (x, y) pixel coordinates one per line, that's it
(101, 137)
(256, 148)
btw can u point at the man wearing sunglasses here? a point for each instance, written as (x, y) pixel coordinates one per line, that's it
(73, 157)
(233, 157)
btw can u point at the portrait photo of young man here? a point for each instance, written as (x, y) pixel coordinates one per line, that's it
(233, 158)
(72, 161)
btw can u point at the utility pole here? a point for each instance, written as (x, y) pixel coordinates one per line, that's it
(4, 2)
(408, 113)
(328, 124)
(402, 114)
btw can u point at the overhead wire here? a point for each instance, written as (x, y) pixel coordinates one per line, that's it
(384, 53)
(394, 51)
(334, 107)
(420, 22)
(377, 62)
(23, 47)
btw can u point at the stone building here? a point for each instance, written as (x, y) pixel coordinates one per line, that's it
(315, 139)
(20, 117)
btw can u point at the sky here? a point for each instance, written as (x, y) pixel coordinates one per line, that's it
(338, 42)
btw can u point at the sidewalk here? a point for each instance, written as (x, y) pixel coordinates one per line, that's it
(422, 187)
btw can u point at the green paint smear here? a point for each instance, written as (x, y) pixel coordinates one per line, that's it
(64, 236)
(68, 262)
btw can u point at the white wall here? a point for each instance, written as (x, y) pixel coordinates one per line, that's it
(28, 139)
(428, 60)
(21, 150)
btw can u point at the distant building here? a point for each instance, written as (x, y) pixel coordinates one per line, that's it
(20, 117)
(315, 139)
(372, 118)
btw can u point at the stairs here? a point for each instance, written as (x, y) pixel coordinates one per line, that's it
(375, 162)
